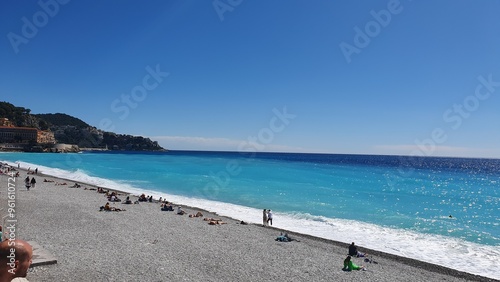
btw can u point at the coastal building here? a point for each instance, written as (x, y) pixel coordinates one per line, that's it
(45, 137)
(13, 134)
(10, 134)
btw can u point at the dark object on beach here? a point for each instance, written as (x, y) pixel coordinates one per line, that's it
(284, 238)
(107, 207)
(353, 251)
(142, 198)
(167, 207)
(243, 223)
(128, 201)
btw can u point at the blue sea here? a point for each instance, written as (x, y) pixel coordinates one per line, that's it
(440, 210)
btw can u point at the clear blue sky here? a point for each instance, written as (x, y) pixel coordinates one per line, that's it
(353, 79)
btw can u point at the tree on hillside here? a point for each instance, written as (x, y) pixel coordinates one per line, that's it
(15, 114)
(59, 119)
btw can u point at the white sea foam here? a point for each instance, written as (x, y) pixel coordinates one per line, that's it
(446, 251)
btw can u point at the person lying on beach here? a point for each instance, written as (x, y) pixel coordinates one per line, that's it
(100, 190)
(284, 238)
(180, 211)
(76, 185)
(216, 222)
(353, 251)
(63, 183)
(167, 207)
(47, 180)
(106, 207)
(198, 214)
(349, 265)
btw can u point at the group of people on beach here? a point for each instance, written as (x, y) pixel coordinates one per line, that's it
(29, 183)
(349, 265)
(164, 206)
(32, 171)
(144, 198)
(267, 217)
(8, 169)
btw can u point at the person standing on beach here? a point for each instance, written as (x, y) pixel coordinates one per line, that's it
(33, 182)
(27, 182)
(264, 217)
(16, 268)
(270, 217)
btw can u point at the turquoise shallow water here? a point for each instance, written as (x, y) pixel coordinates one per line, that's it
(394, 204)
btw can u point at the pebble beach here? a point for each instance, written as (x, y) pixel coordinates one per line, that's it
(144, 243)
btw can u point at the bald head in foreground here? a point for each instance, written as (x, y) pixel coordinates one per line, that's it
(15, 259)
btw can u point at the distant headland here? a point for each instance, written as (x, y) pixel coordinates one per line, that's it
(22, 131)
